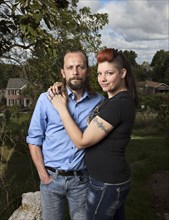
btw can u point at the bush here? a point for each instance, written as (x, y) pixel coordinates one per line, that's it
(146, 119)
(7, 114)
(154, 101)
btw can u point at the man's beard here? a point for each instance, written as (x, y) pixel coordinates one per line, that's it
(80, 84)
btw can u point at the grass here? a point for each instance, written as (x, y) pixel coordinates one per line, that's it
(22, 117)
(146, 154)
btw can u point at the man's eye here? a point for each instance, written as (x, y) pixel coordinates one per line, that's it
(81, 67)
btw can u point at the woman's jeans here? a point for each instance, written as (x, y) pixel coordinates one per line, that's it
(106, 201)
(53, 195)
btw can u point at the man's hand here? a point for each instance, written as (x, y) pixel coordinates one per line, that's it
(46, 179)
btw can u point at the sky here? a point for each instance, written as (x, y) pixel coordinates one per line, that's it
(138, 25)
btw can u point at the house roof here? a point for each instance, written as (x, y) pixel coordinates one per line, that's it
(16, 83)
(152, 84)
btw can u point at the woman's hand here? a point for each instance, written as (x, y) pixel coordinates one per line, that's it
(57, 86)
(57, 95)
(58, 100)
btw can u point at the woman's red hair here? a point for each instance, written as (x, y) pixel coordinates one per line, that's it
(107, 55)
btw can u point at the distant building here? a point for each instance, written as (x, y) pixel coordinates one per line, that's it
(14, 91)
(150, 87)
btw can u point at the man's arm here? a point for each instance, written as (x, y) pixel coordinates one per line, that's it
(37, 158)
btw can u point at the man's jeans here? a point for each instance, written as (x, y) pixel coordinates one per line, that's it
(106, 201)
(74, 188)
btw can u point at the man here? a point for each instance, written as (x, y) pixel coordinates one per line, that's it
(60, 165)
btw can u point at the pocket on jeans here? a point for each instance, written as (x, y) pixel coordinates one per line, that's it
(84, 178)
(47, 184)
(126, 187)
(96, 184)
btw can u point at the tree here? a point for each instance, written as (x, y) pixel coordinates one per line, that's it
(36, 34)
(160, 66)
(131, 56)
(166, 68)
(50, 25)
(158, 57)
(20, 21)
(9, 71)
(140, 73)
(8, 30)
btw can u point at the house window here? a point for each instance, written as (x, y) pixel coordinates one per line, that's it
(12, 92)
(17, 92)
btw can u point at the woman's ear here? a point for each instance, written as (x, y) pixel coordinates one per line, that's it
(123, 73)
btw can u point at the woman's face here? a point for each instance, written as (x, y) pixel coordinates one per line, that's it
(110, 78)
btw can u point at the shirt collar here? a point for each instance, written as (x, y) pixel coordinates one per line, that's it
(85, 94)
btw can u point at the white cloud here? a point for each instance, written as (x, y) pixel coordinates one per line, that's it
(93, 5)
(139, 25)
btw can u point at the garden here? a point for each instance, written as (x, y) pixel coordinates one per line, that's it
(147, 153)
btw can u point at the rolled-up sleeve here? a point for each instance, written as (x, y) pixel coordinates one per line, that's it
(38, 124)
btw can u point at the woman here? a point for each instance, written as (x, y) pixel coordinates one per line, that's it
(108, 135)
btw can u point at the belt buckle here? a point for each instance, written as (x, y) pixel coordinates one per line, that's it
(62, 172)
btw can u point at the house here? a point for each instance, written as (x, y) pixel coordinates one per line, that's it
(14, 95)
(149, 87)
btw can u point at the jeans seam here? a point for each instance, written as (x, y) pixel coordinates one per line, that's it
(118, 195)
(103, 192)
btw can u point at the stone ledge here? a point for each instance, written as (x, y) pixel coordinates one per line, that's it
(30, 208)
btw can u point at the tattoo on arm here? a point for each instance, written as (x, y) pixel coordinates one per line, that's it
(100, 125)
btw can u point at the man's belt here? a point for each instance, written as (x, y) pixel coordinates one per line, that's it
(67, 173)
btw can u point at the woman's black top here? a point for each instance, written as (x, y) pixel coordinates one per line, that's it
(106, 160)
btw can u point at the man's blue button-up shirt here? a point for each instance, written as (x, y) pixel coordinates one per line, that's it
(46, 130)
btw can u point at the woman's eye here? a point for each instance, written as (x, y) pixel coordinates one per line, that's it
(109, 73)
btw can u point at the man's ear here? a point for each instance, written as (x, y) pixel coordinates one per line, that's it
(62, 73)
(123, 73)
(88, 72)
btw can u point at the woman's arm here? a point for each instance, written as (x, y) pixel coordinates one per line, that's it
(95, 132)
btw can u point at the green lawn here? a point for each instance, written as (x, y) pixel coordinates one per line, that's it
(146, 153)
